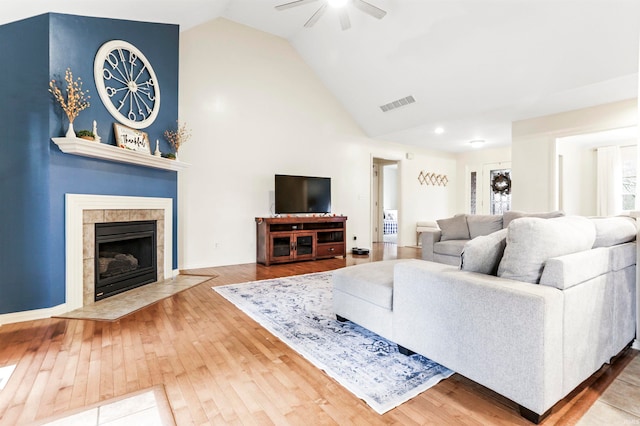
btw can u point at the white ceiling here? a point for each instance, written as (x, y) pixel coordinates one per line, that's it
(473, 66)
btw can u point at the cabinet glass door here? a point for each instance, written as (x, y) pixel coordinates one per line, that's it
(304, 245)
(281, 246)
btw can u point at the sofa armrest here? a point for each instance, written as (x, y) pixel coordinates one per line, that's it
(566, 271)
(503, 334)
(429, 238)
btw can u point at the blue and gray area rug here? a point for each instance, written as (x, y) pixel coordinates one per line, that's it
(298, 310)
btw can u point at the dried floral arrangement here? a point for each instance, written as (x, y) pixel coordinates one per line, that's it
(178, 137)
(76, 99)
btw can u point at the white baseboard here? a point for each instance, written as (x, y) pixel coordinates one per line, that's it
(35, 314)
(636, 344)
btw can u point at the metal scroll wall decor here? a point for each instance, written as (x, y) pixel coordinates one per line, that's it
(428, 178)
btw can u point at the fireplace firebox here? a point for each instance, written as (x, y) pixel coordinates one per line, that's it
(125, 256)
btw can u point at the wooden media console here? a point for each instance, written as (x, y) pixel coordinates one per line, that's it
(293, 239)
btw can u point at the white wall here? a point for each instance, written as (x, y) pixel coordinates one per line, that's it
(425, 202)
(256, 109)
(578, 182)
(533, 148)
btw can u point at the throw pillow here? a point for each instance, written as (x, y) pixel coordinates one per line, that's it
(482, 254)
(514, 214)
(611, 231)
(454, 228)
(483, 224)
(531, 241)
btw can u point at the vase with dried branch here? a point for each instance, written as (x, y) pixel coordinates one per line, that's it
(178, 137)
(73, 101)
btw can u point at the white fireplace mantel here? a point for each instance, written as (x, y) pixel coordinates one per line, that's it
(85, 148)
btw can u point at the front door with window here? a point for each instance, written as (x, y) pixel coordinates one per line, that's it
(489, 188)
(500, 191)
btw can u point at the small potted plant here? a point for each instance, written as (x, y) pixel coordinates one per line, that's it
(177, 137)
(86, 134)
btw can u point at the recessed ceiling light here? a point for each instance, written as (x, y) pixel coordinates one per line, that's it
(337, 3)
(477, 143)
(438, 130)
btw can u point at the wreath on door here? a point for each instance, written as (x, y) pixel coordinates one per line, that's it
(501, 183)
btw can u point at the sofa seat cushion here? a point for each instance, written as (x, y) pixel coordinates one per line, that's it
(449, 247)
(454, 228)
(611, 231)
(531, 241)
(483, 224)
(371, 282)
(483, 254)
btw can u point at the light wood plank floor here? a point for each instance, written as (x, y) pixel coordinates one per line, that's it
(220, 367)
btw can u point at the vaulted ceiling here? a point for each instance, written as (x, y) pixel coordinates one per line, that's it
(472, 66)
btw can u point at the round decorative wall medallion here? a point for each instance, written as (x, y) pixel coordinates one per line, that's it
(127, 84)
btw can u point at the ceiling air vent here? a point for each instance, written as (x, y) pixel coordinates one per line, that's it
(397, 104)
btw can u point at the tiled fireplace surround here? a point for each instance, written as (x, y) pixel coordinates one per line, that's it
(83, 212)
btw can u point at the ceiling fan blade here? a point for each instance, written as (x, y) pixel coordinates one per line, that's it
(369, 9)
(344, 19)
(293, 4)
(314, 18)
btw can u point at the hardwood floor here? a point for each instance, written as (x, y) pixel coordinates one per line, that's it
(218, 366)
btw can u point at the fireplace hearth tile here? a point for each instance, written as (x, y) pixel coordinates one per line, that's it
(88, 238)
(88, 290)
(92, 216)
(120, 305)
(160, 268)
(160, 234)
(117, 215)
(140, 215)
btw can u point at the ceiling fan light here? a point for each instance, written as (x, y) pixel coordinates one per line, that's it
(337, 3)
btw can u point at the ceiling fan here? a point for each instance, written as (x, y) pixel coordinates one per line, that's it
(341, 5)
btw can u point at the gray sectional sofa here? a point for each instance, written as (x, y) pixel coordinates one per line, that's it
(534, 310)
(444, 245)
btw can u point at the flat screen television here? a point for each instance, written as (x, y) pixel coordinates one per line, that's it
(302, 194)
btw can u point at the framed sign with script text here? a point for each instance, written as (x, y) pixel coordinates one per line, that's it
(131, 139)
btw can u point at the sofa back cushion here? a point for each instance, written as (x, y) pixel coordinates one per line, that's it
(454, 228)
(482, 254)
(483, 224)
(531, 241)
(514, 214)
(611, 231)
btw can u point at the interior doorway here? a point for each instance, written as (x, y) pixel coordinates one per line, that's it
(583, 187)
(384, 201)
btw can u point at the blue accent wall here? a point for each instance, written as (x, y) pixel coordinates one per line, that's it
(35, 175)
